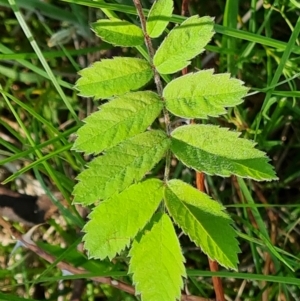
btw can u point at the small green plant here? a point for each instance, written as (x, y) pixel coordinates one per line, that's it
(137, 211)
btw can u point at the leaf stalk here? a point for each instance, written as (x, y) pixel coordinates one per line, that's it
(157, 81)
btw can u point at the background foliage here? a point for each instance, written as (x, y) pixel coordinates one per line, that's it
(40, 111)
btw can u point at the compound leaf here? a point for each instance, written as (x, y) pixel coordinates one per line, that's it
(217, 151)
(120, 166)
(157, 262)
(182, 44)
(117, 220)
(119, 32)
(111, 77)
(202, 94)
(117, 120)
(159, 17)
(204, 221)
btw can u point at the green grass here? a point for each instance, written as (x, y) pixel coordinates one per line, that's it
(41, 112)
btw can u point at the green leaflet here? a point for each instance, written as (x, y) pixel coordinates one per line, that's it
(119, 32)
(113, 77)
(159, 17)
(183, 43)
(217, 151)
(204, 221)
(117, 120)
(202, 94)
(156, 261)
(120, 166)
(117, 220)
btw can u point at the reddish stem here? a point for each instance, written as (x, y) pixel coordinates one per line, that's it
(213, 265)
(185, 7)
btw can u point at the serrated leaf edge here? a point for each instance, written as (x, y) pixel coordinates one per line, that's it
(203, 229)
(166, 138)
(129, 240)
(238, 134)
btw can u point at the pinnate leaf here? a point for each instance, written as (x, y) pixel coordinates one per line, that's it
(202, 94)
(204, 221)
(157, 262)
(119, 32)
(120, 166)
(158, 17)
(116, 221)
(217, 151)
(182, 44)
(111, 77)
(117, 120)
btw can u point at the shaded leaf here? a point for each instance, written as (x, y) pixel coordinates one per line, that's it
(119, 32)
(183, 43)
(157, 262)
(116, 221)
(120, 166)
(204, 221)
(217, 151)
(159, 17)
(202, 94)
(115, 76)
(117, 120)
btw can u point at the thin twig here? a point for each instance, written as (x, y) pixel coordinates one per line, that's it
(217, 282)
(157, 80)
(273, 236)
(213, 265)
(76, 271)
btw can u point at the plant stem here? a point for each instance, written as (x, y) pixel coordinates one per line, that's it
(213, 265)
(157, 81)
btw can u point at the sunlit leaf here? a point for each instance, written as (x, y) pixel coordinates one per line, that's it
(217, 151)
(111, 77)
(120, 166)
(119, 32)
(116, 221)
(157, 262)
(158, 17)
(117, 120)
(204, 221)
(202, 94)
(183, 43)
